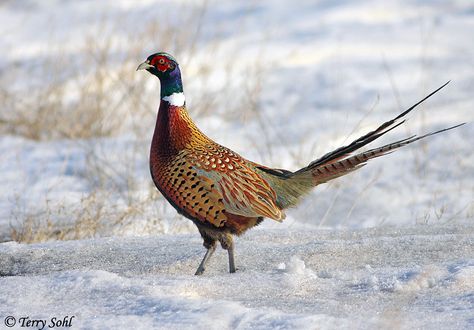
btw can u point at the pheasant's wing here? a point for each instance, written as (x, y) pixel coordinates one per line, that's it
(242, 190)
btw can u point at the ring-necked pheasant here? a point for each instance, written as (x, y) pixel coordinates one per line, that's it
(223, 193)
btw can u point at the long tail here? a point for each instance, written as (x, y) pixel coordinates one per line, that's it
(342, 161)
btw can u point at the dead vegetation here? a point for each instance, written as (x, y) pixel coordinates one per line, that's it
(96, 94)
(88, 97)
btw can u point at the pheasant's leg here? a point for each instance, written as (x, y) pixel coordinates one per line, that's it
(227, 243)
(230, 251)
(210, 251)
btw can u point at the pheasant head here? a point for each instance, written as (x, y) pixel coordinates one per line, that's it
(165, 67)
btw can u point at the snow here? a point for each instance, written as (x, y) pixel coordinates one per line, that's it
(411, 277)
(389, 246)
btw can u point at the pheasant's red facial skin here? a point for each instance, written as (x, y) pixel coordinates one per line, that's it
(162, 63)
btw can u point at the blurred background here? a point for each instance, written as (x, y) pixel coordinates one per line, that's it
(281, 83)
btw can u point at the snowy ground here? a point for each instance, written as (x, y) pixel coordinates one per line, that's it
(388, 246)
(416, 277)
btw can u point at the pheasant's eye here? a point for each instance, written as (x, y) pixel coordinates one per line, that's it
(162, 64)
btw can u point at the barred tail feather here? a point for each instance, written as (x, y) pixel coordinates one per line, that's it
(386, 127)
(291, 186)
(333, 169)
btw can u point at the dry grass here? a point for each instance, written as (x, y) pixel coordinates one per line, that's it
(93, 216)
(99, 95)
(94, 92)
(95, 96)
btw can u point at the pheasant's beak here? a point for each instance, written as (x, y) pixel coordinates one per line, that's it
(145, 65)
